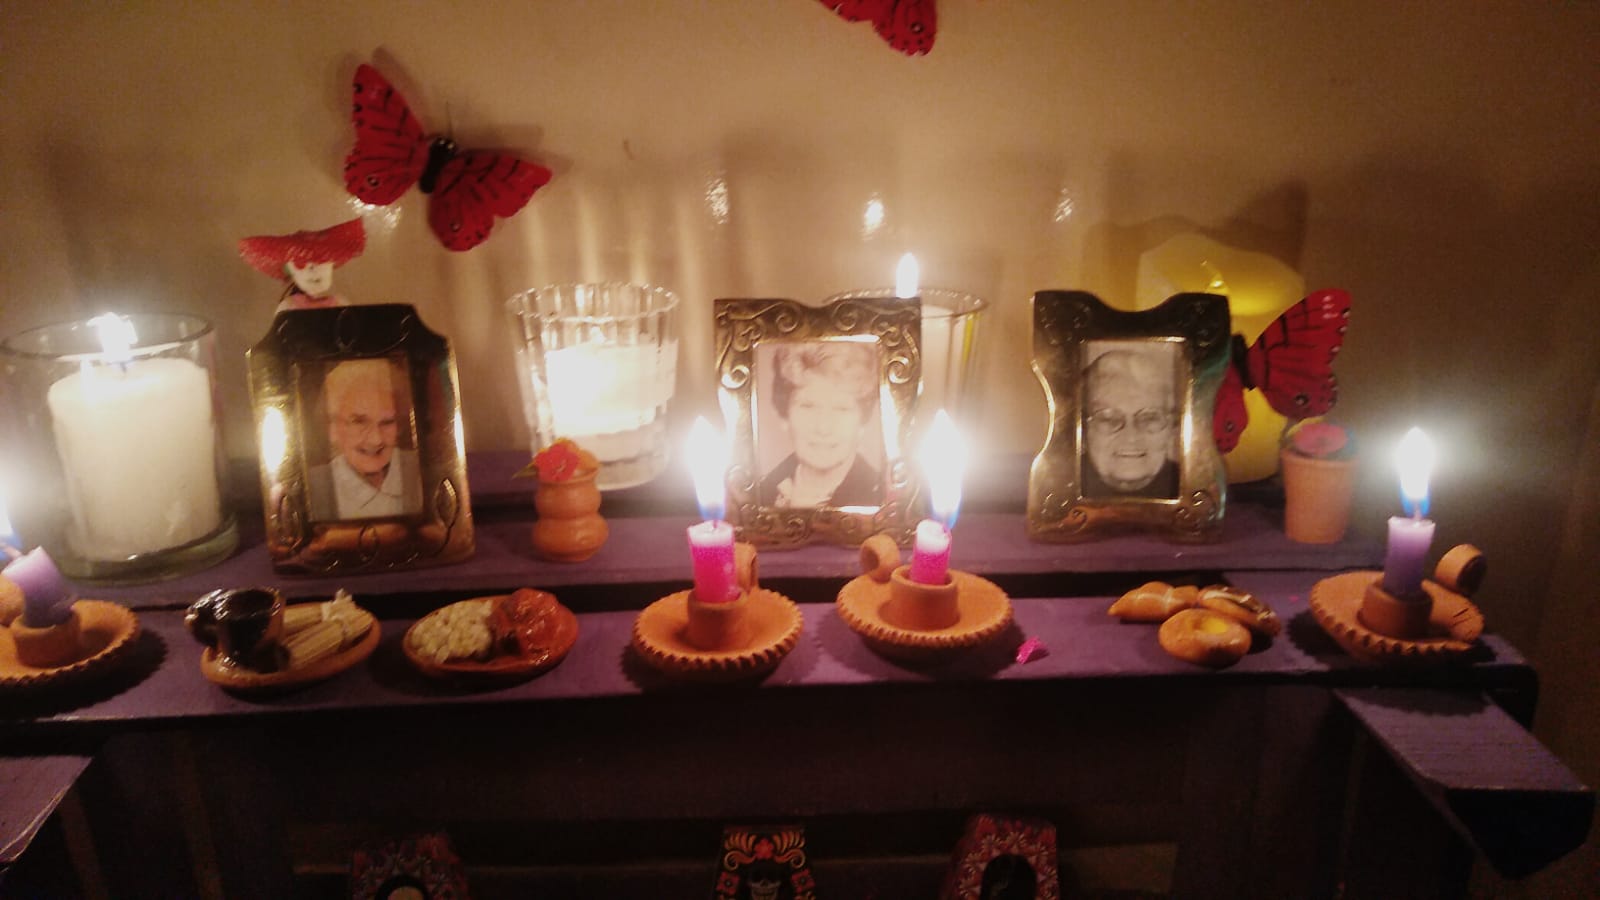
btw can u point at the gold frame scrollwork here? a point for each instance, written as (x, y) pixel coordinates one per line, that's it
(441, 531)
(1063, 323)
(896, 326)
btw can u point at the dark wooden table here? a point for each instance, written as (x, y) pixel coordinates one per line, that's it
(1298, 772)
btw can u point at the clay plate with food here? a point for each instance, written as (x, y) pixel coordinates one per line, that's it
(501, 638)
(320, 640)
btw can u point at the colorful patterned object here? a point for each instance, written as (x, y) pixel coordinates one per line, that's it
(998, 856)
(765, 863)
(424, 862)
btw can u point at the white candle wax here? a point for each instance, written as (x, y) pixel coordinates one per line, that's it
(600, 394)
(137, 445)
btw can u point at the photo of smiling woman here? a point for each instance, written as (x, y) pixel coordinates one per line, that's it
(1130, 419)
(819, 435)
(372, 464)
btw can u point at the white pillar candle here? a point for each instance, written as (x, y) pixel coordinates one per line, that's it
(601, 395)
(137, 445)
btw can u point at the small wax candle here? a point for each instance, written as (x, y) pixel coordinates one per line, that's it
(45, 595)
(930, 555)
(711, 541)
(943, 458)
(1410, 536)
(711, 549)
(1407, 555)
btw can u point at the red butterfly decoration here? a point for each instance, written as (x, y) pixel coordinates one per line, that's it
(467, 189)
(1291, 362)
(908, 25)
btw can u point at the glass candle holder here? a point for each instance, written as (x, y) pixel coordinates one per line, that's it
(109, 451)
(950, 322)
(598, 364)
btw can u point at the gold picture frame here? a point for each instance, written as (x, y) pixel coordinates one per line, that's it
(358, 422)
(1139, 454)
(775, 359)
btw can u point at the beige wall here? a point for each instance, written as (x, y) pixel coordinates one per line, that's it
(1441, 161)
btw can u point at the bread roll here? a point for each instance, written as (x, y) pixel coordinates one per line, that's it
(1205, 638)
(1153, 602)
(1243, 608)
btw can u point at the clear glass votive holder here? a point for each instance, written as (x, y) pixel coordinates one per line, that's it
(110, 456)
(950, 321)
(598, 364)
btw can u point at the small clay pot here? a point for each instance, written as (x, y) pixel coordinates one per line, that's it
(50, 646)
(1317, 494)
(570, 528)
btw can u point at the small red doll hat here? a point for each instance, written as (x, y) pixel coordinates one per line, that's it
(268, 253)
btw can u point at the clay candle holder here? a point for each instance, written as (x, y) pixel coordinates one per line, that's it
(901, 617)
(1372, 624)
(690, 638)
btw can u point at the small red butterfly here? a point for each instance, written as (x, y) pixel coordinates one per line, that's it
(467, 189)
(1291, 362)
(908, 25)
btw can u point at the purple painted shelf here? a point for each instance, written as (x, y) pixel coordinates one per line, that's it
(164, 684)
(651, 549)
(32, 788)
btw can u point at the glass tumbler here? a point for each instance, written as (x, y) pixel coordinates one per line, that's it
(598, 364)
(110, 455)
(949, 347)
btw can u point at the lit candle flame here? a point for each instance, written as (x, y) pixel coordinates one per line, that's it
(708, 463)
(1414, 458)
(117, 336)
(906, 275)
(944, 459)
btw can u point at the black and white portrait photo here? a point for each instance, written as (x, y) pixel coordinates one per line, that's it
(1132, 404)
(370, 469)
(819, 432)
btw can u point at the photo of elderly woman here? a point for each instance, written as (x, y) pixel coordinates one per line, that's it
(372, 468)
(819, 435)
(1130, 419)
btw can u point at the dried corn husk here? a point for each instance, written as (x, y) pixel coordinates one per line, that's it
(320, 630)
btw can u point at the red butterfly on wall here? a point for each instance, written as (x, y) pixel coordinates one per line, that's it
(467, 189)
(1291, 362)
(908, 25)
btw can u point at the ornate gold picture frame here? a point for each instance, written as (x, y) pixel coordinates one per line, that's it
(358, 422)
(818, 403)
(1131, 397)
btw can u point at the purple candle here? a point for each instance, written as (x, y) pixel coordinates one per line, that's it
(1411, 535)
(47, 598)
(711, 541)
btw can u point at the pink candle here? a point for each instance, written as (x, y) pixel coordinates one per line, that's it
(46, 597)
(711, 541)
(1410, 536)
(930, 555)
(711, 548)
(943, 458)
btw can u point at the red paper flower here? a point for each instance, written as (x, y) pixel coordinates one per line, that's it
(563, 460)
